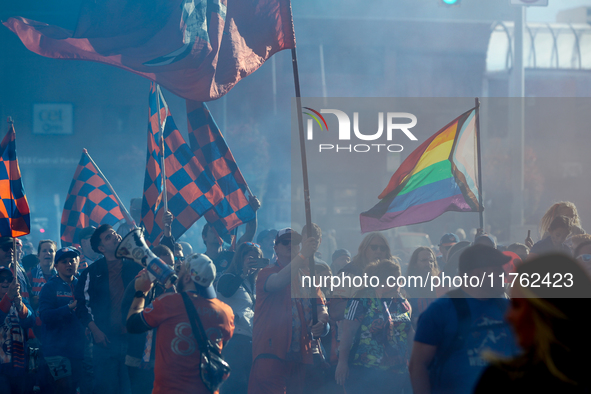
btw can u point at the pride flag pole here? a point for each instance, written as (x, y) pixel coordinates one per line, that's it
(124, 211)
(296, 78)
(481, 211)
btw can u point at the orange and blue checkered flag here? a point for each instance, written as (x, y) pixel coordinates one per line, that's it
(90, 202)
(15, 219)
(191, 188)
(210, 148)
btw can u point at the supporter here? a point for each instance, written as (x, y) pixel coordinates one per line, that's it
(551, 331)
(99, 294)
(315, 232)
(266, 239)
(16, 317)
(236, 287)
(562, 208)
(557, 232)
(63, 346)
(29, 262)
(6, 257)
(340, 258)
(88, 256)
(178, 357)
(169, 241)
(186, 248)
(375, 337)
(44, 270)
(372, 248)
(28, 247)
(141, 348)
(214, 245)
(486, 240)
(445, 244)
(282, 330)
(422, 264)
(519, 249)
(454, 330)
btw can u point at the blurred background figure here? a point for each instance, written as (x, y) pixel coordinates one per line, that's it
(551, 331)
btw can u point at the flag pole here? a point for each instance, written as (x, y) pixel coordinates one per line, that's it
(296, 79)
(162, 158)
(481, 211)
(14, 261)
(124, 211)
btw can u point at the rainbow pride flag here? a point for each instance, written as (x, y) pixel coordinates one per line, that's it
(440, 175)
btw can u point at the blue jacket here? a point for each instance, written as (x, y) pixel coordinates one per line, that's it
(64, 332)
(94, 297)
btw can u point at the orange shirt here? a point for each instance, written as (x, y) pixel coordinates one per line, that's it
(273, 321)
(176, 367)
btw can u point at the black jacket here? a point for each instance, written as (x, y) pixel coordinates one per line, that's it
(93, 296)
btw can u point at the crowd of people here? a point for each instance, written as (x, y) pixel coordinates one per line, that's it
(241, 320)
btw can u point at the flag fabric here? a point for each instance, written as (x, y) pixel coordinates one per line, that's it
(209, 146)
(89, 202)
(196, 49)
(440, 175)
(15, 219)
(190, 187)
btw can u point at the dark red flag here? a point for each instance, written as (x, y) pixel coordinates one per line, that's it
(196, 49)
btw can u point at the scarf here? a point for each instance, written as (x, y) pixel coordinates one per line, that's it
(12, 339)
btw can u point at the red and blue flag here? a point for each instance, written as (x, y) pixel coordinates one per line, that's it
(191, 189)
(90, 202)
(196, 49)
(15, 219)
(209, 146)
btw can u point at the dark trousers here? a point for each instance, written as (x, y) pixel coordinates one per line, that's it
(15, 384)
(275, 376)
(238, 353)
(371, 380)
(110, 371)
(142, 380)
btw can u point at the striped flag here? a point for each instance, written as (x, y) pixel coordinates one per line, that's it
(15, 220)
(440, 175)
(209, 146)
(89, 202)
(191, 189)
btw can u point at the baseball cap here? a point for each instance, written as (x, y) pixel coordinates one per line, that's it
(66, 252)
(288, 233)
(263, 234)
(4, 268)
(340, 252)
(479, 256)
(485, 239)
(202, 271)
(6, 241)
(448, 239)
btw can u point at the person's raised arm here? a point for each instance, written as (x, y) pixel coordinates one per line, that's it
(281, 279)
(420, 358)
(251, 227)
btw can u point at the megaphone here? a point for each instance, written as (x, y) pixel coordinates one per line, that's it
(134, 247)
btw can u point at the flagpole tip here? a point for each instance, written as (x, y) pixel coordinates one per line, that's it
(84, 151)
(9, 120)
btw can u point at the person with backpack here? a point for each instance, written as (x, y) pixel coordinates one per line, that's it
(455, 330)
(180, 366)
